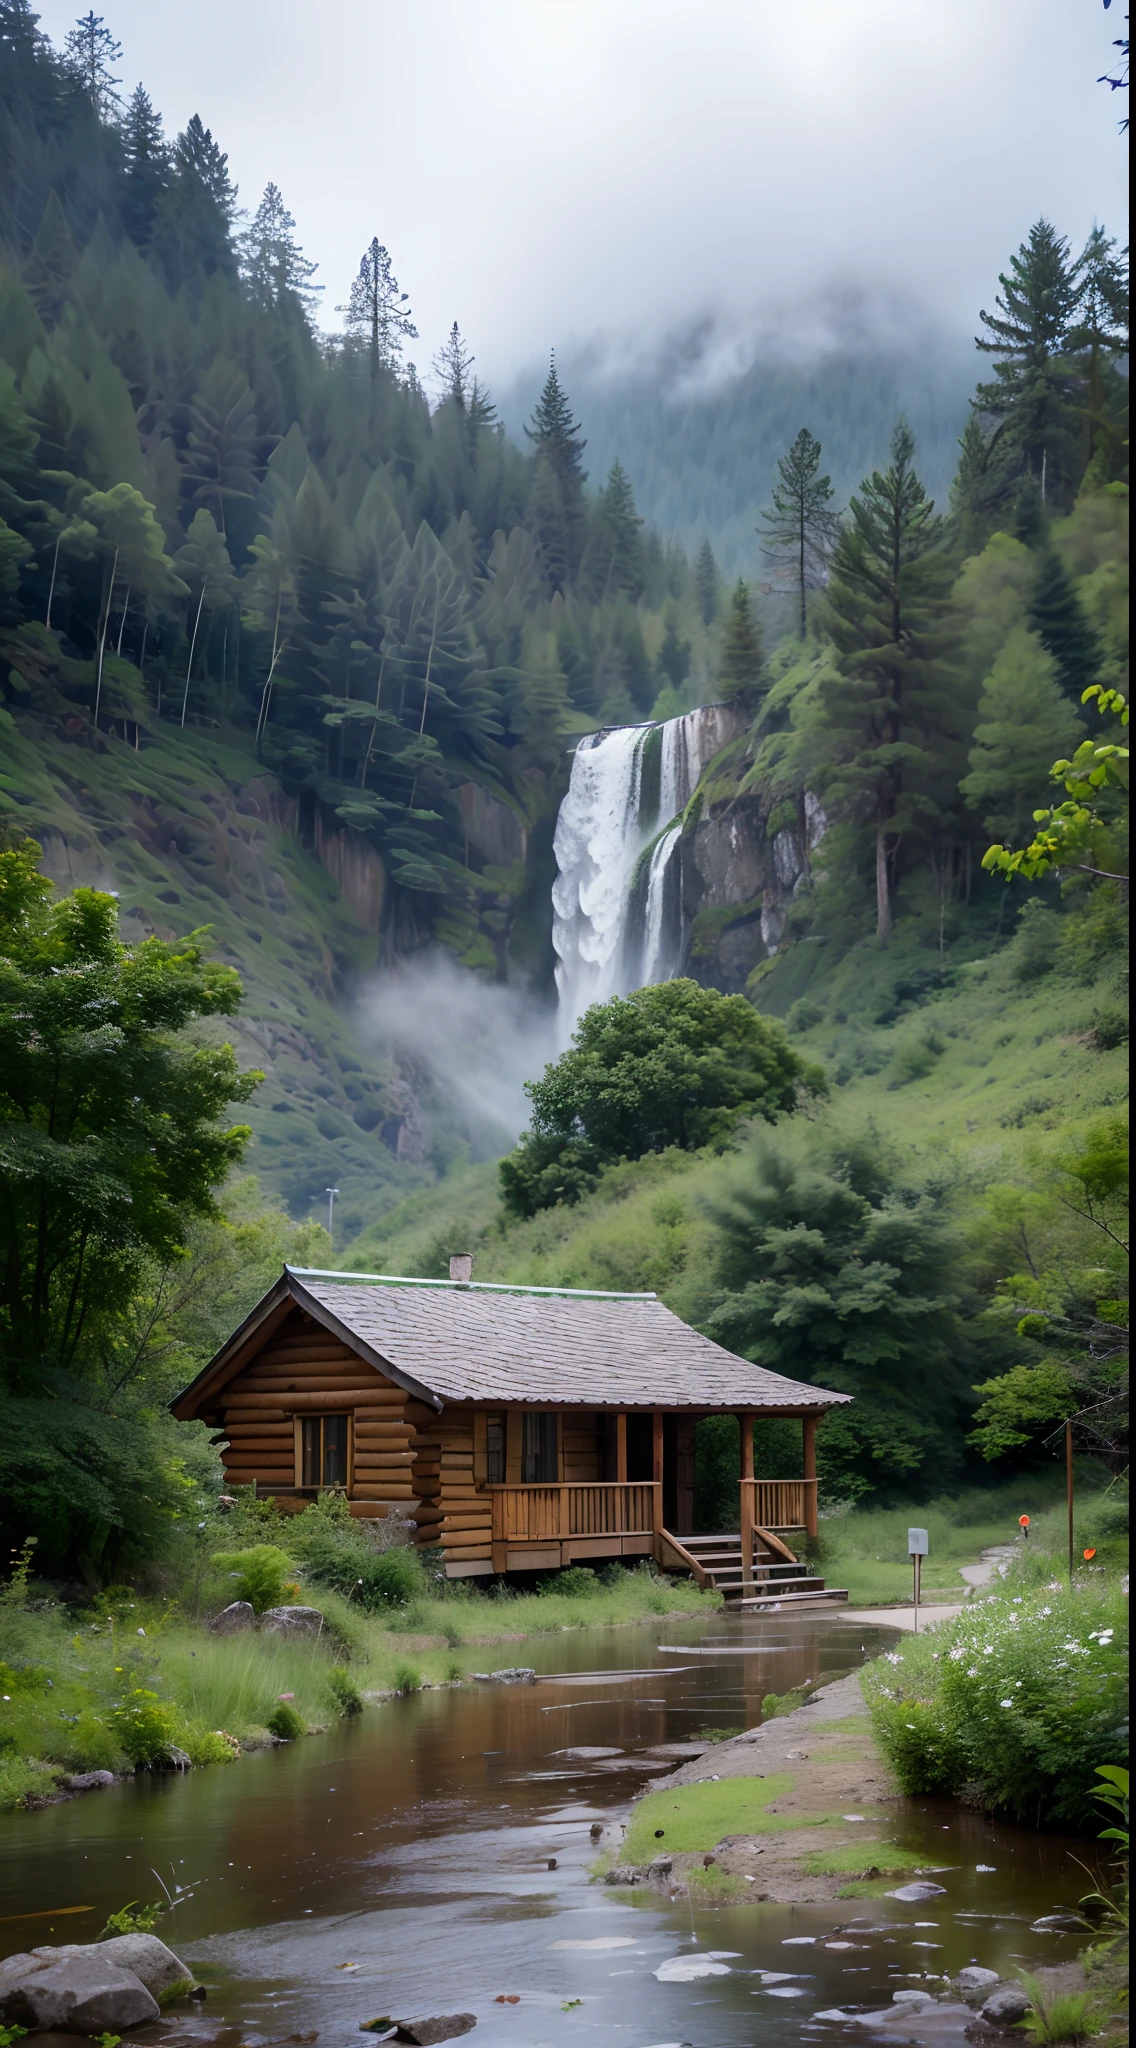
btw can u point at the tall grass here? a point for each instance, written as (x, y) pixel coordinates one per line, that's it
(866, 1548)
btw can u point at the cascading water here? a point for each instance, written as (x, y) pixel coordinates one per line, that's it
(617, 898)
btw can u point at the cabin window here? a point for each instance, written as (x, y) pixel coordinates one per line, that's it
(538, 1450)
(495, 1450)
(325, 1450)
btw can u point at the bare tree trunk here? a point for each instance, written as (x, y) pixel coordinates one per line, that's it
(883, 891)
(102, 639)
(51, 585)
(266, 693)
(122, 621)
(189, 664)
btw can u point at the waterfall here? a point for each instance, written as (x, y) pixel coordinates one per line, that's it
(617, 909)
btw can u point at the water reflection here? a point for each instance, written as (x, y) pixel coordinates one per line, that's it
(401, 1863)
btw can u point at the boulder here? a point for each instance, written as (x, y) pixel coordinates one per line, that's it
(446, 2027)
(80, 1995)
(911, 1894)
(625, 1873)
(292, 1621)
(975, 1984)
(154, 1965)
(86, 1781)
(233, 1620)
(1006, 2006)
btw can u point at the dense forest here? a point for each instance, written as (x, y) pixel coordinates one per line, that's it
(255, 574)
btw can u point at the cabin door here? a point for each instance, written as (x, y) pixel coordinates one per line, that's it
(678, 1474)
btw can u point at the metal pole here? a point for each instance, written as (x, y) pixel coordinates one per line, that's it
(1069, 1488)
(331, 1194)
(918, 1563)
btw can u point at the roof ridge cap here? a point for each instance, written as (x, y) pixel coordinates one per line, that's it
(469, 1286)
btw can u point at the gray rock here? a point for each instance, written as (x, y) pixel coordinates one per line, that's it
(175, 1759)
(17, 1966)
(660, 1866)
(516, 1674)
(292, 1621)
(76, 1996)
(912, 1893)
(87, 1781)
(975, 1984)
(1006, 2006)
(154, 1965)
(1059, 1923)
(625, 1873)
(446, 2027)
(233, 1620)
(911, 1998)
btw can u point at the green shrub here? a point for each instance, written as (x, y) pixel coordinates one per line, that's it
(262, 1574)
(407, 1679)
(573, 1580)
(804, 1014)
(285, 1722)
(1058, 2017)
(92, 1746)
(337, 1553)
(613, 1576)
(207, 1745)
(136, 1917)
(344, 1691)
(1024, 1695)
(145, 1727)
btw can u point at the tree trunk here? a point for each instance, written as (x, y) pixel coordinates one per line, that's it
(122, 621)
(883, 891)
(189, 664)
(51, 585)
(102, 639)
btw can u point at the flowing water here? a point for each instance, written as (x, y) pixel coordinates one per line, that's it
(618, 918)
(400, 1863)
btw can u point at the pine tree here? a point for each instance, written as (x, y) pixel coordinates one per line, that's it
(1024, 724)
(742, 659)
(980, 486)
(1057, 616)
(1100, 330)
(146, 167)
(801, 528)
(377, 312)
(89, 51)
(614, 556)
(556, 436)
(673, 660)
(885, 722)
(193, 225)
(452, 366)
(707, 584)
(273, 265)
(1030, 334)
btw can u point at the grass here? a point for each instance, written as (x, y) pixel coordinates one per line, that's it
(70, 1679)
(695, 1817)
(888, 1859)
(866, 1549)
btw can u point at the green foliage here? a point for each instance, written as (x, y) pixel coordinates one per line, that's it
(670, 1065)
(742, 659)
(145, 1727)
(575, 1578)
(1058, 2017)
(407, 1678)
(262, 1574)
(136, 1917)
(836, 1272)
(286, 1723)
(344, 1691)
(337, 1552)
(1023, 1695)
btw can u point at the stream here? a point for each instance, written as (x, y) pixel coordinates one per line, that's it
(400, 1863)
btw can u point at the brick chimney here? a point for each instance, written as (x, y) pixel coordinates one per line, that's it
(461, 1268)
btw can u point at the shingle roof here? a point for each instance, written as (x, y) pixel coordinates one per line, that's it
(479, 1343)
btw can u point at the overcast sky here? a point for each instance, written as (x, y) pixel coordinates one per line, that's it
(548, 170)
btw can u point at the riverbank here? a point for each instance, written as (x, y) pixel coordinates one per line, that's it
(125, 1682)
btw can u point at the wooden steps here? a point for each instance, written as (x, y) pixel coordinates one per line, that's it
(775, 1582)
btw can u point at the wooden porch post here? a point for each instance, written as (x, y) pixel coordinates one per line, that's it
(621, 1449)
(745, 1426)
(657, 1476)
(812, 1521)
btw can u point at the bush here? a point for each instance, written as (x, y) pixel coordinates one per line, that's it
(804, 1014)
(344, 1691)
(1024, 1696)
(262, 1574)
(285, 1722)
(407, 1679)
(208, 1745)
(145, 1727)
(336, 1552)
(92, 1746)
(573, 1580)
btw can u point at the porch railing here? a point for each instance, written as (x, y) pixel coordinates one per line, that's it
(550, 1514)
(782, 1503)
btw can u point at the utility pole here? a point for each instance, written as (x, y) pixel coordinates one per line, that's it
(331, 1194)
(1069, 1488)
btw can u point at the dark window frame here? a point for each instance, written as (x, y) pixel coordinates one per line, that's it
(325, 1449)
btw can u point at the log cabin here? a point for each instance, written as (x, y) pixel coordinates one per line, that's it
(519, 1428)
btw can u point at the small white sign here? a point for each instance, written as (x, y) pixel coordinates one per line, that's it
(917, 1544)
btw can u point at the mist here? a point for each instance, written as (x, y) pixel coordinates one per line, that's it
(552, 171)
(465, 1045)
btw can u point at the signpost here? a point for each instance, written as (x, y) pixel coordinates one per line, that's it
(917, 1548)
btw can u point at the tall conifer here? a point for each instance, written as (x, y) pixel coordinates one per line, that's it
(1029, 333)
(707, 584)
(1058, 617)
(801, 526)
(742, 658)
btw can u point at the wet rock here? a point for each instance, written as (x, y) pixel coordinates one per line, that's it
(1058, 1923)
(154, 1965)
(76, 1996)
(625, 1873)
(425, 2032)
(975, 1984)
(292, 1621)
(233, 1620)
(1006, 2006)
(516, 1674)
(911, 1997)
(660, 1866)
(175, 1759)
(86, 1781)
(912, 1893)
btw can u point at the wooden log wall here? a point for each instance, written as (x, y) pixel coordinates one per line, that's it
(580, 1449)
(304, 1370)
(452, 1513)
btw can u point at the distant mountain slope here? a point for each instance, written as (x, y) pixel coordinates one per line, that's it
(701, 453)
